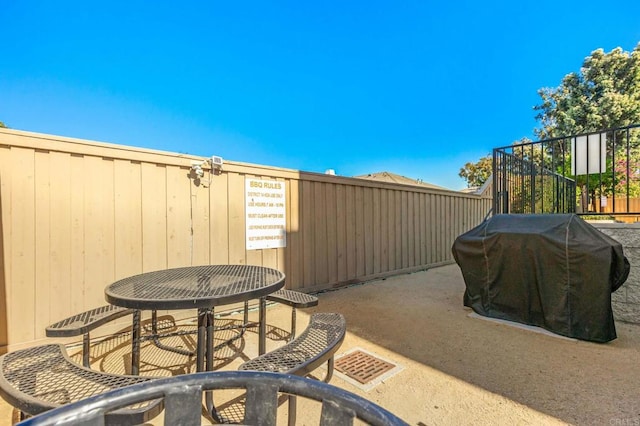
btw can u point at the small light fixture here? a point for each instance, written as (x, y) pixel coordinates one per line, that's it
(196, 168)
(216, 164)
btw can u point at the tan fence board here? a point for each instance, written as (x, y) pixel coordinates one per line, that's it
(414, 226)
(78, 219)
(293, 258)
(99, 224)
(383, 206)
(341, 234)
(5, 252)
(422, 201)
(434, 235)
(200, 207)
(219, 218)
(400, 223)
(60, 250)
(42, 261)
(179, 242)
(128, 218)
(307, 234)
(430, 228)
(404, 230)
(360, 232)
(21, 291)
(153, 198)
(391, 229)
(350, 213)
(320, 261)
(368, 230)
(332, 233)
(377, 250)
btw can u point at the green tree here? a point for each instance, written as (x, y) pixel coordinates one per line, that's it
(604, 94)
(476, 174)
(2, 125)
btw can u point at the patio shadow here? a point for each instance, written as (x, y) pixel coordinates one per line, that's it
(421, 317)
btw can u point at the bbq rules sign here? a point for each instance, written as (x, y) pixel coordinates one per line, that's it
(266, 214)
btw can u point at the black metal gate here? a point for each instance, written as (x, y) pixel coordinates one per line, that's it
(592, 173)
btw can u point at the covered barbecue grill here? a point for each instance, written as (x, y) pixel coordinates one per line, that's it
(552, 271)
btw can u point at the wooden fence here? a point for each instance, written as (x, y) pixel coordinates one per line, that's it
(77, 215)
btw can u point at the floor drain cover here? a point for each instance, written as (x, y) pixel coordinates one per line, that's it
(362, 366)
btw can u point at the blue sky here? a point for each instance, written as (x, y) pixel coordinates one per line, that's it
(417, 88)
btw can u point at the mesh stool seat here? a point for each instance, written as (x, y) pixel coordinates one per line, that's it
(43, 378)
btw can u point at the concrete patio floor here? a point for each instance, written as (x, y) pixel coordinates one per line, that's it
(457, 370)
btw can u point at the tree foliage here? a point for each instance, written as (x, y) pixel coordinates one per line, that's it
(2, 125)
(604, 94)
(476, 174)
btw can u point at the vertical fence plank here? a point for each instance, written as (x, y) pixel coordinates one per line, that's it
(153, 199)
(201, 220)
(414, 230)
(5, 243)
(376, 231)
(360, 230)
(21, 292)
(383, 230)
(294, 267)
(320, 240)
(270, 258)
(60, 244)
(341, 230)
(445, 217)
(308, 207)
(332, 233)
(219, 219)
(391, 228)
(350, 212)
(368, 230)
(42, 252)
(423, 228)
(178, 217)
(128, 218)
(404, 231)
(78, 219)
(452, 215)
(437, 228)
(398, 228)
(99, 245)
(429, 225)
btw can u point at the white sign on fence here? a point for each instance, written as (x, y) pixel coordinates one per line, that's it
(266, 214)
(589, 154)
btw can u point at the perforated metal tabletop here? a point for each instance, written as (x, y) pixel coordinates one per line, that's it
(194, 287)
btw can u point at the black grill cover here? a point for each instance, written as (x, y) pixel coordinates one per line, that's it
(552, 271)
